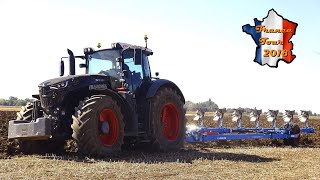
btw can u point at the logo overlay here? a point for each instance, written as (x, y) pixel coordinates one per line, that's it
(272, 36)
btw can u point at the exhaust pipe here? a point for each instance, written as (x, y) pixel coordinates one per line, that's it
(72, 62)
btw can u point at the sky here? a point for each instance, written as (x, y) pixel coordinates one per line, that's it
(199, 45)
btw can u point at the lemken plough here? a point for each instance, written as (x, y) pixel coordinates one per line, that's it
(290, 132)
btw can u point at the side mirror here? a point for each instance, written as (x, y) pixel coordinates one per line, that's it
(83, 66)
(157, 74)
(61, 68)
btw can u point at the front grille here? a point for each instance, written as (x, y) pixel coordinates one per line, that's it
(36, 110)
(46, 96)
(45, 102)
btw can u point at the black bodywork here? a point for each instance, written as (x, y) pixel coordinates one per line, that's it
(60, 97)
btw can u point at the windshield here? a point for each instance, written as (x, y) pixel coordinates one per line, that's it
(104, 62)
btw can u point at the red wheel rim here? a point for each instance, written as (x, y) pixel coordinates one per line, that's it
(108, 116)
(170, 121)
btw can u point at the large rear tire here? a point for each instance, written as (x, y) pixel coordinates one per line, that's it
(37, 146)
(167, 120)
(98, 126)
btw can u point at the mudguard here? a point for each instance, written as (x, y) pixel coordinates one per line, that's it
(156, 84)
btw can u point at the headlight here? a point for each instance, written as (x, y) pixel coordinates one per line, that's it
(59, 85)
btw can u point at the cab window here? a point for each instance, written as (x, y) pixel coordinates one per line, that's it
(146, 67)
(133, 66)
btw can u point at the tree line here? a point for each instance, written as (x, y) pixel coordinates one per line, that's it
(207, 106)
(210, 106)
(14, 101)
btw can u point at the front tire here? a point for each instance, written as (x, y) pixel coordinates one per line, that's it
(167, 120)
(98, 126)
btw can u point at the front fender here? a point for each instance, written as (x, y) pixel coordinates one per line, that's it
(156, 84)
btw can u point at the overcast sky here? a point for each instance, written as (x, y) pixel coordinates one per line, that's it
(197, 44)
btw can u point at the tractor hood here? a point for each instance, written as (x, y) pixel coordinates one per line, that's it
(79, 80)
(53, 92)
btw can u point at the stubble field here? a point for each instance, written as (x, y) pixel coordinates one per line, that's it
(258, 159)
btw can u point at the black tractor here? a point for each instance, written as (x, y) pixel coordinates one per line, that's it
(115, 104)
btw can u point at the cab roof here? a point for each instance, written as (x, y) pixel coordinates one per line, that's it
(120, 45)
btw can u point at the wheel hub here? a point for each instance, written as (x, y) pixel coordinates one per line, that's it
(105, 127)
(170, 122)
(108, 127)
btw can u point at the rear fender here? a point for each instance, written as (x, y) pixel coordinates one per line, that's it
(152, 91)
(159, 83)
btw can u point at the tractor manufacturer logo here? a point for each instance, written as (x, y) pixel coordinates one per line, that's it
(98, 87)
(272, 36)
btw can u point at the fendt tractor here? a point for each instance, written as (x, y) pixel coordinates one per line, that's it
(115, 103)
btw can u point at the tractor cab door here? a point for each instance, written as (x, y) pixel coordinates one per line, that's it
(133, 68)
(137, 75)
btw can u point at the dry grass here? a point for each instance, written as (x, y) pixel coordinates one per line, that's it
(190, 163)
(10, 108)
(255, 159)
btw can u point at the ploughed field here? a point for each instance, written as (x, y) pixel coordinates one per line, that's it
(243, 159)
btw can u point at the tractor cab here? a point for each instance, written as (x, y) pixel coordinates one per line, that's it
(127, 63)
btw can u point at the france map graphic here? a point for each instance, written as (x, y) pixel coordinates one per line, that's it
(272, 36)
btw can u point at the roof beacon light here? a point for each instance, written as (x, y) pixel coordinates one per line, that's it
(146, 40)
(99, 45)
